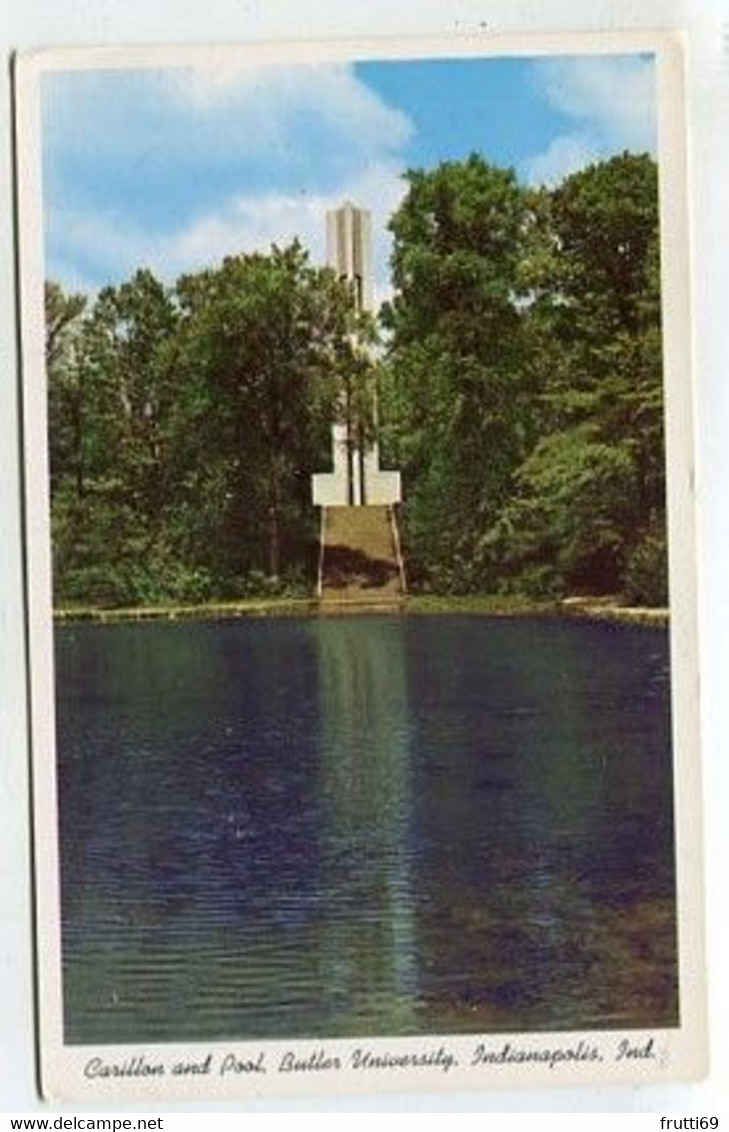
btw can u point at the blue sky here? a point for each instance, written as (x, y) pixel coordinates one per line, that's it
(174, 168)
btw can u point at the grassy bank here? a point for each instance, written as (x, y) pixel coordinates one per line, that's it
(493, 605)
(205, 611)
(607, 609)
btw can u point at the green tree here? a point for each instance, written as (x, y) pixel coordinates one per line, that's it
(110, 530)
(588, 507)
(267, 341)
(186, 423)
(63, 324)
(456, 389)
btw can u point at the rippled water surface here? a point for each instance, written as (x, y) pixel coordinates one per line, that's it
(368, 825)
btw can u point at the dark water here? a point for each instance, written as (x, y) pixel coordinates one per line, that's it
(373, 825)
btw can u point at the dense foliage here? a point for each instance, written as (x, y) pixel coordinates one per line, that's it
(521, 396)
(524, 387)
(185, 425)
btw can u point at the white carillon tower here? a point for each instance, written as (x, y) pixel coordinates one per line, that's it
(357, 478)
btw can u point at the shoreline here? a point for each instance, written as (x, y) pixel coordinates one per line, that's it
(593, 609)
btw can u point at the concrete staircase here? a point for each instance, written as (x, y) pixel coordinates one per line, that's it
(360, 564)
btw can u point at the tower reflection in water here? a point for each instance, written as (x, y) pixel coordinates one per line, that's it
(366, 787)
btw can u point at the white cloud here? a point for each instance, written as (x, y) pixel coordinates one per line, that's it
(280, 96)
(302, 117)
(566, 154)
(613, 96)
(175, 169)
(611, 100)
(253, 223)
(243, 223)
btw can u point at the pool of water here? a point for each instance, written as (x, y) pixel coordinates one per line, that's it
(322, 827)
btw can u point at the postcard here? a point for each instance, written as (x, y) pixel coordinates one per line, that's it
(358, 447)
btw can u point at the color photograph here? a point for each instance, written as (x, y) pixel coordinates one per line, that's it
(355, 424)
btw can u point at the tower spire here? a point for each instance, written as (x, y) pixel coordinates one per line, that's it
(357, 478)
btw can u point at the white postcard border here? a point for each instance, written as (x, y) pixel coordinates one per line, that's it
(671, 1054)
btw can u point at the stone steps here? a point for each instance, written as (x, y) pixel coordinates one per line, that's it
(360, 562)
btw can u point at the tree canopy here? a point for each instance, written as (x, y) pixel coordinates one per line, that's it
(199, 414)
(524, 380)
(520, 394)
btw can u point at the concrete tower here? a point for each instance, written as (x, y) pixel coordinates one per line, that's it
(356, 478)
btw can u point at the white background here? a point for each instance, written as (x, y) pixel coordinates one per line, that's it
(43, 23)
